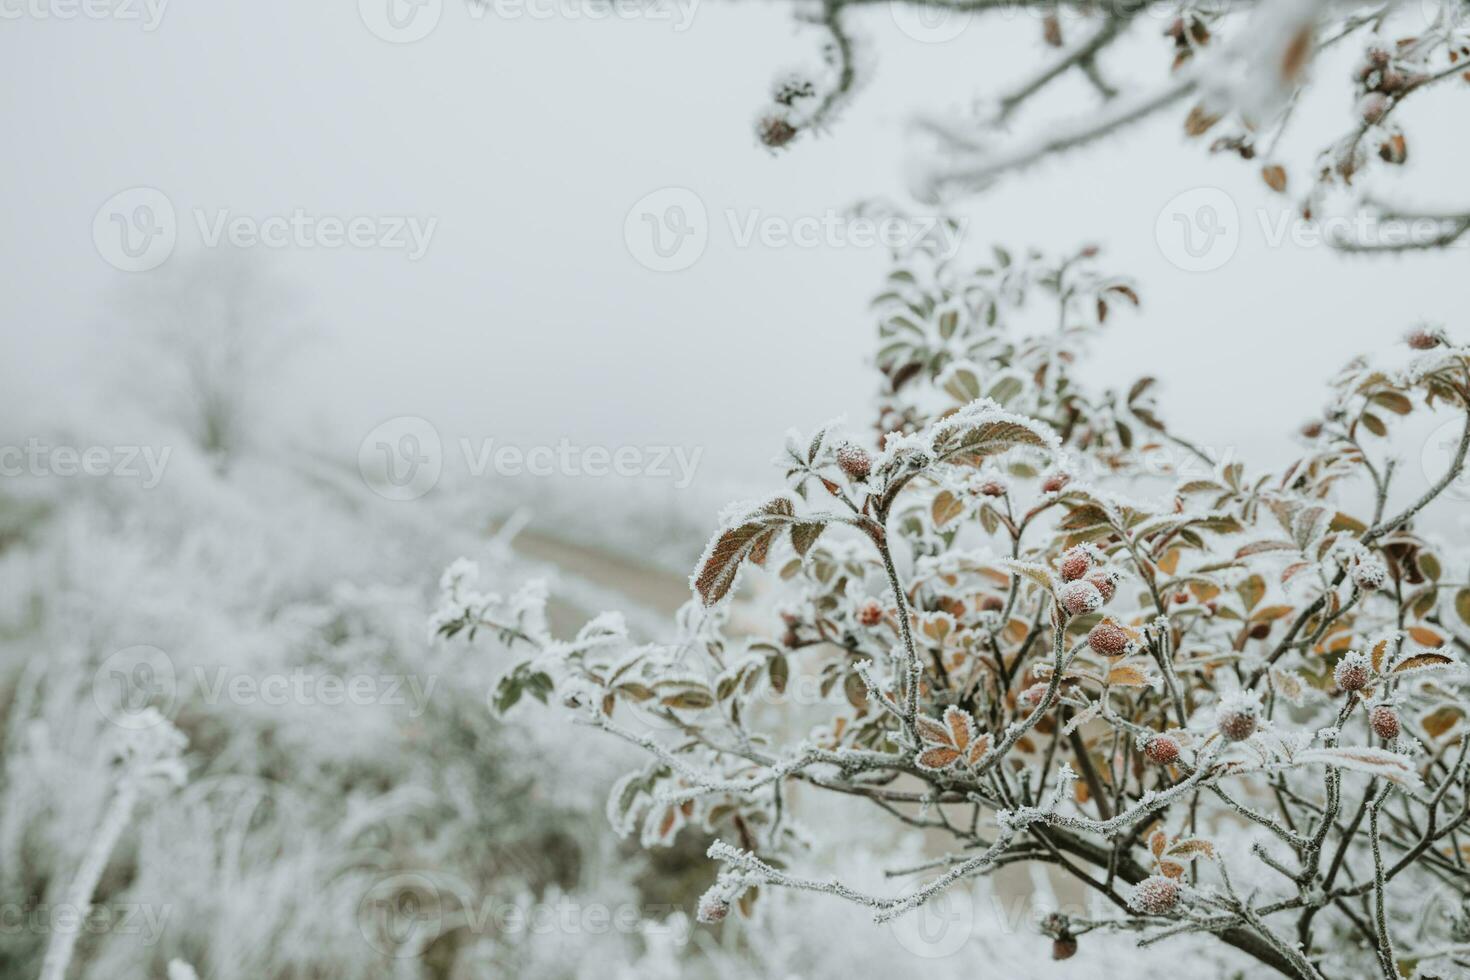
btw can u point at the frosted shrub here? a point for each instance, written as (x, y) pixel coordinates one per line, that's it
(1034, 619)
(1233, 72)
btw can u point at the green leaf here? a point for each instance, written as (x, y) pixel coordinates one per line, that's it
(779, 670)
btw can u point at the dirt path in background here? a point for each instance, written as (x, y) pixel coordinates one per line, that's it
(657, 591)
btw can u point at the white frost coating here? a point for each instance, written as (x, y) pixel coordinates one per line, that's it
(1250, 75)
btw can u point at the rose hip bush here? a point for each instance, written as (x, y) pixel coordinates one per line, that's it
(1233, 74)
(1045, 625)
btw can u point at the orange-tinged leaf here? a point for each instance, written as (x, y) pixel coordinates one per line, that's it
(1191, 848)
(1441, 720)
(1425, 636)
(1171, 869)
(1169, 563)
(1267, 614)
(978, 748)
(960, 727)
(945, 508)
(931, 730)
(1298, 53)
(1199, 121)
(937, 757)
(1275, 176)
(1127, 675)
(1422, 661)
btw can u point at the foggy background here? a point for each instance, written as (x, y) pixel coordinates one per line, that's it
(528, 140)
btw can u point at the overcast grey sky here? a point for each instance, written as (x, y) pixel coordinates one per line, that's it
(528, 140)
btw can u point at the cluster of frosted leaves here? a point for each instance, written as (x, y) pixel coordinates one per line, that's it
(1057, 626)
(1010, 332)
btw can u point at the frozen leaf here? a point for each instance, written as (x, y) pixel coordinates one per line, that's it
(1127, 675)
(748, 539)
(1422, 661)
(946, 507)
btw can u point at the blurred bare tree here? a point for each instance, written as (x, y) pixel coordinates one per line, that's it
(213, 331)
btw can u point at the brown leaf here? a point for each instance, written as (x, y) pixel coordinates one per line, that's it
(1441, 720)
(960, 727)
(931, 731)
(1425, 636)
(1421, 661)
(946, 507)
(1275, 176)
(1199, 121)
(1127, 675)
(938, 757)
(1191, 848)
(1298, 53)
(751, 538)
